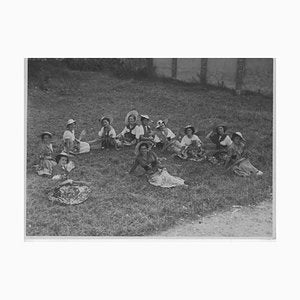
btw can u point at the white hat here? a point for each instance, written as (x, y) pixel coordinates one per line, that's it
(145, 117)
(71, 121)
(160, 122)
(238, 134)
(131, 113)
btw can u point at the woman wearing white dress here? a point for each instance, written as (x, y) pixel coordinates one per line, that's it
(156, 174)
(192, 145)
(131, 132)
(72, 145)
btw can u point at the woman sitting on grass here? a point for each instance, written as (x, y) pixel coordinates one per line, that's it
(156, 174)
(145, 132)
(166, 140)
(191, 145)
(130, 133)
(222, 141)
(107, 135)
(163, 134)
(46, 159)
(67, 191)
(72, 145)
(237, 160)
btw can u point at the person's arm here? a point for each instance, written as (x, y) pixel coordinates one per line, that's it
(122, 133)
(209, 134)
(98, 138)
(68, 145)
(198, 141)
(112, 133)
(229, 157)
(134, 166)
(157, 163)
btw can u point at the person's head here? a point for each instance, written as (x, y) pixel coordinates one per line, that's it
(143, 148)
(71, 124)
(62, 159)
(105, 121)
(160, 125)
(145, 120)
(220, 130)
(46, 137)
(237, 138)
(189, 130)
(131, 119)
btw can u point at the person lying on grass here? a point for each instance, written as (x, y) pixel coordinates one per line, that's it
(237, 160)
(45, 155)
(67, 191)
(222, 141)
(145, 132)
(156, 174)
(130, 133)
(72, 145)
(107, 135)
(191, 145)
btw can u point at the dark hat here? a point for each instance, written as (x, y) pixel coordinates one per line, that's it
(221, 125)
(60, 155)
(148, 144)
(189, 127)
(46, 133)
(107, 118)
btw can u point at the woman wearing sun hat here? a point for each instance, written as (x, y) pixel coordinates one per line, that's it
(107, 134)
(67, 191)
(163, 134)
(166, 139)
(46, 158)
(145, 132)
(73, 145)
(156, 174)
(130, 134)
(191, 145)
(237, 160)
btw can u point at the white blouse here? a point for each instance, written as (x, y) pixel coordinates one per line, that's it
(69, 135)
(111, 133)
(186, 141)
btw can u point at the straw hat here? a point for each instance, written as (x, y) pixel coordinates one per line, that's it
(131, 113)
(71, 121)
(189, 127)
(145, 117)
(160, 122)
(60, 155)
(108, 118)
(239, 135)
(46, 133)
(138, 145)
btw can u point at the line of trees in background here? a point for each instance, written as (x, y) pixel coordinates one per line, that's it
(44, 68)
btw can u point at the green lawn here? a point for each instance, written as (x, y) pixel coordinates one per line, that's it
(124, 205)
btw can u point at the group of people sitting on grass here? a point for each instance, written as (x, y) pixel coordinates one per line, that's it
(146, 138)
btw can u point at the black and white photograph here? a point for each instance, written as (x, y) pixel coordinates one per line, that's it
(150, 147)
(149, 150)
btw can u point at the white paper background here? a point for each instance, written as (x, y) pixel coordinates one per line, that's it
(149, 269)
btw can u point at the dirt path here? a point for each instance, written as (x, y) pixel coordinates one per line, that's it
(248, 221)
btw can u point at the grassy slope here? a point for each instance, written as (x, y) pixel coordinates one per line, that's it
(127, 205)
